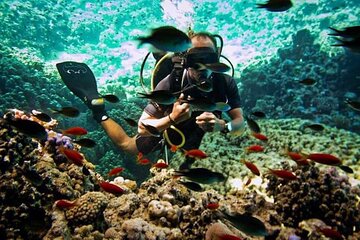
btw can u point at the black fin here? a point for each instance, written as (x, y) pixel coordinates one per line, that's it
(79, 78)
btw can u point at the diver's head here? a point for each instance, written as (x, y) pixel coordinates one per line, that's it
(203, 51)
(203, 39)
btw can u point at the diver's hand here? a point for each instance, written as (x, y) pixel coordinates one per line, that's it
(208, 122)
(181, 111)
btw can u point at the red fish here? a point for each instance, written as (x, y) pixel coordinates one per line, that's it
(299, 158)
(294, 155)
(115, 171)
(111, 188)
(160, 165)
(72, 155)
(139, 156)
(284, 174)
(252, 167)
(247, 182)
(229, 237)
(212, 206)
(144, 161)
(76, 131)
(330, 233)
(260, 136)
(302, 162)
(255, 148)
(196, 153)
(174, 148)
(63, 203)
(324, 158)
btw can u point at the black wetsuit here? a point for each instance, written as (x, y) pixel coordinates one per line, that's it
(224, 90)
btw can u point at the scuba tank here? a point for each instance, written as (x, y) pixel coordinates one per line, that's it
(168, 62)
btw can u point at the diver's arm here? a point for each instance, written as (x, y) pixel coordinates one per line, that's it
(180, 113)
(118, 135)
(210, 123)
(237, 123)
(160, 123)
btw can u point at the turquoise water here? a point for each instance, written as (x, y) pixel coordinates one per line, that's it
(270, 51)
(102, 32)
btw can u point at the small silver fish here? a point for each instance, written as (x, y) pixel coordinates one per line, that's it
(152, 130)
(41, 116)
(276, 5)
(200, 175)
(28, 127)
(67, 111)
(246, 223)
(160, 96)
(348, 32)
(167, 39)
(258, 114)
(308, 81)
(315, 126)
(353, 104)
(346, 169)
(353, 45)
(192, 186)
(252, 124)
(111, 98)
(85, 142)
(214, 67)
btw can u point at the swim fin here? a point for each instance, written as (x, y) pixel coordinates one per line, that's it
(79, 78)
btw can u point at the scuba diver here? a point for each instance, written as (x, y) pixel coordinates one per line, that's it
(190, 123)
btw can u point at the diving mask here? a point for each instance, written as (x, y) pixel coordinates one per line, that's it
(202, 55)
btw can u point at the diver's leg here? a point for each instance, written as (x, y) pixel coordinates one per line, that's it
(81, 81)
(79, 78)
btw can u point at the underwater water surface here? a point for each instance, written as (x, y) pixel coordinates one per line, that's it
(287, 65)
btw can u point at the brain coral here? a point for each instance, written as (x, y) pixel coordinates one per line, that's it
(89, 209)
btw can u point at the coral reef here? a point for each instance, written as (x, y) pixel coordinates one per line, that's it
(88, 209)
(282, 134)
(324, 195)
(22, 212)
(30, 180)
(38, 176)
(160, 209)
(261, 84)
(216, 230)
